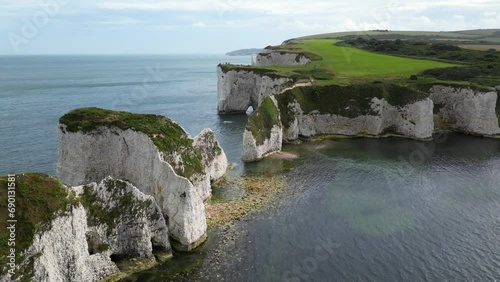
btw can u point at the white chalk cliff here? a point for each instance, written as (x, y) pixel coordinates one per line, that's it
(466, 110)
(238, 90)
(132, 155)
(414, 120)
(459, 109)
(79, 244)
(253, 150)
(281, 58)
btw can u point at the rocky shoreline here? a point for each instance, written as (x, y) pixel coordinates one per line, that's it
(226, 220)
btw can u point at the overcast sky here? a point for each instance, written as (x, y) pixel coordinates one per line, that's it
(215, 26)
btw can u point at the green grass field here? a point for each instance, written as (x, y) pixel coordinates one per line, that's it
(343, 65)
(368, 56)
(350, 62)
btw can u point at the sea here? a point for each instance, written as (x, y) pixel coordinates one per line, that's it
(354, 209)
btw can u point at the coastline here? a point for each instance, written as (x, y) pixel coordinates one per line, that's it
(226, 217)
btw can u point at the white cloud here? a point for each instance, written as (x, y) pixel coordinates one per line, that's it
(282, 7)
(199, 24)
(121, 21)
(297, 16)
(490, 14)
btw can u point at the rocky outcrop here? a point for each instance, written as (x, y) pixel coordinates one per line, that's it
(370, 111)
(129, 223)
(61, 253)
(266, 123)
(466, 110)
(154, 154)
(93, 225)
(337, 110)
(214, 158)
(281, 58)
(413, 121)
(241, 88)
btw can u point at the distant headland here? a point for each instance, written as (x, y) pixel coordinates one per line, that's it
(366, 84)
(245, 52)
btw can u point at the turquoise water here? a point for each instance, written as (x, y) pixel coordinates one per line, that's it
(354, 211)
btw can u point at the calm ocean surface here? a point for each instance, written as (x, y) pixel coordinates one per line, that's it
(354, 210)
(35, 91)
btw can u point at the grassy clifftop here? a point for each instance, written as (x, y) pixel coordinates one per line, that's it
(39, 199)
(335, 64)
(167, 135)
(357, 57)
(263, 120)
(349, 101)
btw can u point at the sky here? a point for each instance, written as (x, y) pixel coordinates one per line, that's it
(215, 26)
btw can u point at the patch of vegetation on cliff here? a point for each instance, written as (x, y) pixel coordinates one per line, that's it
(272, 73)
(40, 198)
(498, 105)
(167, 135)
(124, 203)
(348, 101)
(263, 120)
(426, 85)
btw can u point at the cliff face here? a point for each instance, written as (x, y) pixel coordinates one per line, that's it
(413, 121)
(371, 111)
(466, 110)
(332, 110)
(214, 158)
(263, 135)
(147, 160)
(120, 216)
(61, 253)
(280, 58)
(95, 223)
(240, 89)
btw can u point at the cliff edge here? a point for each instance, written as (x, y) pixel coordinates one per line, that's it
(369, 110)
(239, 87)
(79, 233)
(154, 154)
